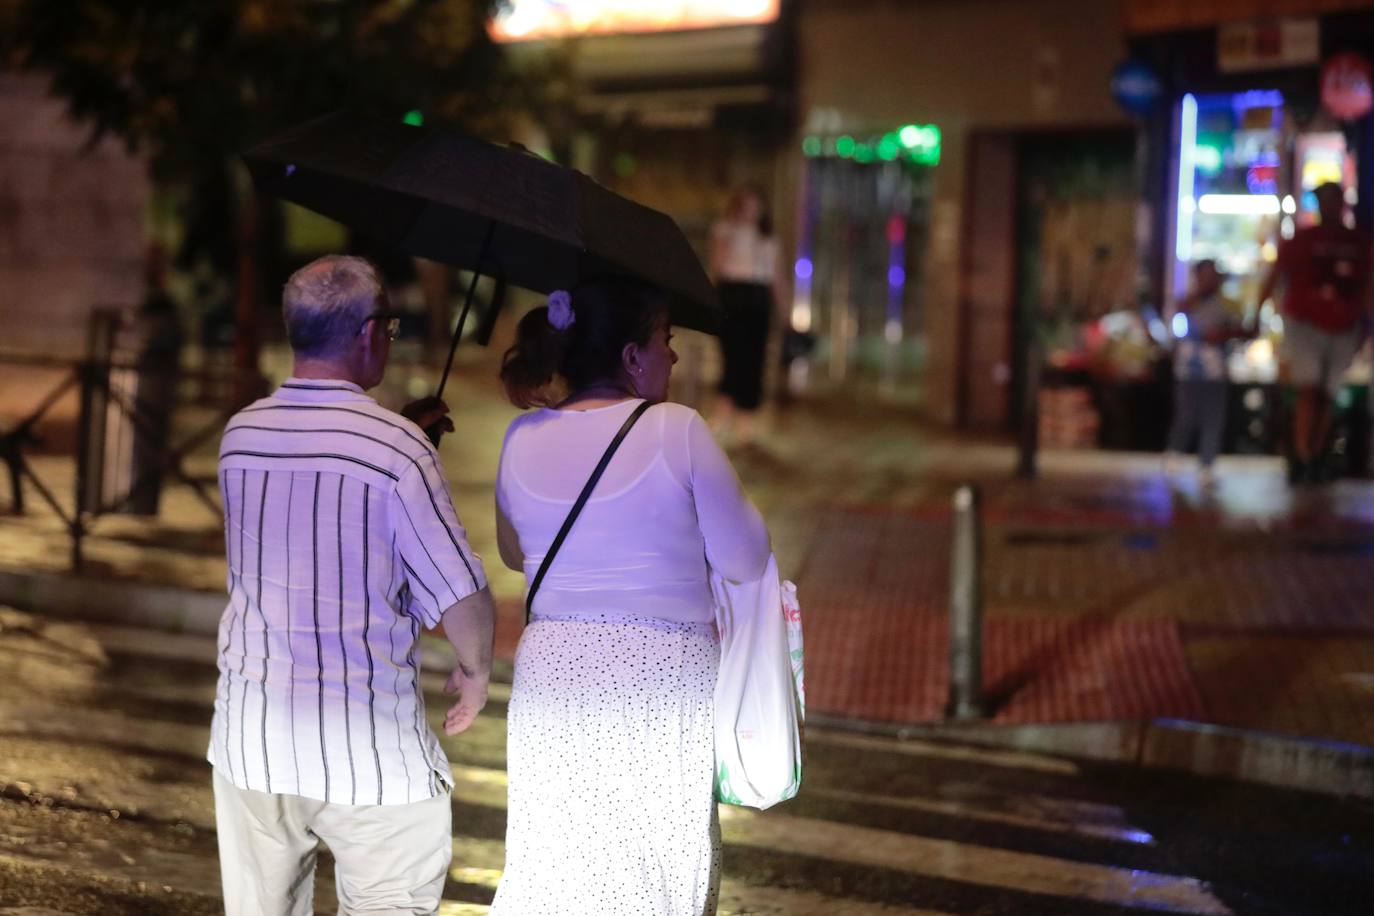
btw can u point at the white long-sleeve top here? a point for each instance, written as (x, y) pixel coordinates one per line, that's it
(743, 254)
(668, 504)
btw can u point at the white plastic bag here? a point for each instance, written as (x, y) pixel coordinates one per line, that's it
(759, 694)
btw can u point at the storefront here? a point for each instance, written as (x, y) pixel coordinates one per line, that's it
(863, 217)
(1084, 370)
(1241, 136)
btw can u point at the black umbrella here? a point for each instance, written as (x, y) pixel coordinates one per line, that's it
(444, 195)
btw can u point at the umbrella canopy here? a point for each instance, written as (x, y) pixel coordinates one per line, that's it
(444, 195)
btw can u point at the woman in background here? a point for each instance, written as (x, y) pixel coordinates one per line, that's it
(744, 264)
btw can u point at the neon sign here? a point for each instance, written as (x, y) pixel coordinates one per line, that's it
(1262, 179)
(917, 143)
(527, 20)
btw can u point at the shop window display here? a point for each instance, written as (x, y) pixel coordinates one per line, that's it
(1244, 180)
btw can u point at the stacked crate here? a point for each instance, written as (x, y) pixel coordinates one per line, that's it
(1068, 418)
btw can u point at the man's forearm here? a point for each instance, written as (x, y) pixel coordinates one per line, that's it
(470, 626)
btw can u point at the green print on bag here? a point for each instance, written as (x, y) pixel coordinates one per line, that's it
(792, 790)
(725, 794)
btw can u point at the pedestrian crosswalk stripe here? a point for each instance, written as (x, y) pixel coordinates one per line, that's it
(1016, 760)
(912, 854)
(782, 832)
(952, 860)
(478, 863)
(772, 830)
(1051, 815)
(471, 874)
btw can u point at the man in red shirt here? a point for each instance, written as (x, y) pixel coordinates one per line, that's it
(1326, 269)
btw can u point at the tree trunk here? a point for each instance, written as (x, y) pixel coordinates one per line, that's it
(435, 284)
(247, 381)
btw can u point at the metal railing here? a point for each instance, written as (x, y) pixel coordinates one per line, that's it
(123, 447)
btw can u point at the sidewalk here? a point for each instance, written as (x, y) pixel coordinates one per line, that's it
(1111, 595)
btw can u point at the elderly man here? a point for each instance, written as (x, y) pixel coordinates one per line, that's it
(343, 545)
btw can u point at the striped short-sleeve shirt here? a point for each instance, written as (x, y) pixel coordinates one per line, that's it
(342, 544)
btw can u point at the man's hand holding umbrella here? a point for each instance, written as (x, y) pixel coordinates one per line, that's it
(430, 414)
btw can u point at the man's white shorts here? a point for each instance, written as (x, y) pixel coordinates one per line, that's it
(387, 858)
(1316, 357)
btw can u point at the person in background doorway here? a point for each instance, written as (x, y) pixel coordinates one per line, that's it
(1209, 321)
(1325, 308)
(744, 264)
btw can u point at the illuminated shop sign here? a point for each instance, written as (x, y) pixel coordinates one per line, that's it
(525, 20)
(918, 143)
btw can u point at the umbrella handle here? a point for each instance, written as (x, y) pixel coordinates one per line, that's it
(462, 319)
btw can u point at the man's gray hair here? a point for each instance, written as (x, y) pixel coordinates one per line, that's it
(326, 302)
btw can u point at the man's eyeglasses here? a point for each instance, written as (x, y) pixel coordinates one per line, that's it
(392, 325)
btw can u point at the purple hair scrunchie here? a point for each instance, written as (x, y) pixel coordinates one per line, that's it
(560, 309)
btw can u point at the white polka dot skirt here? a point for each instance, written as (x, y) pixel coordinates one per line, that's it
(610, 757)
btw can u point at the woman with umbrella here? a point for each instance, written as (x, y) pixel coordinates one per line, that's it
(610, 749)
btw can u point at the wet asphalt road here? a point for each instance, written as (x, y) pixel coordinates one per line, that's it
(106, 808)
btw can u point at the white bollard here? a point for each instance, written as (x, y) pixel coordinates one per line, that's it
(965, 610)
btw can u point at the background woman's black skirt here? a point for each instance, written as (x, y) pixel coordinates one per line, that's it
(743, 340)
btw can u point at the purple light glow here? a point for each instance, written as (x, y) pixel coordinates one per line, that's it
(896, 276)
(1257, 98)
(803, 269)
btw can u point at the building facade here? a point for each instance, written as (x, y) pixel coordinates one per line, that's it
(992, 77)
(72, 222)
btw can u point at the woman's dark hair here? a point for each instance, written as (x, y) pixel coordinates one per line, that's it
(607, 315)
(751, 189)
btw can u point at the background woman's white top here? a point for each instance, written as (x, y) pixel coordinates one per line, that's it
(743, 254)
(668, 503)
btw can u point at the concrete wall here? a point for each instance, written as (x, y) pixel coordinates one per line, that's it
(963, 65)
(71, 222)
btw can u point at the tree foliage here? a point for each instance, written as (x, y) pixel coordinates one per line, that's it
(187, 82)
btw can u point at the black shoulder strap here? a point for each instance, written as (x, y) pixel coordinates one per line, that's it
(581, 501)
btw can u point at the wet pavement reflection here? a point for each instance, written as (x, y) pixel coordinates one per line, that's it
(106, 808)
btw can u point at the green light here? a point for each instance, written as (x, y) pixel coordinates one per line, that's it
(1208, 159)
(924, 156)
(888, 148)
(624, 164)
(414, 117)
(863, 153)
(845, 146)
(811, 146)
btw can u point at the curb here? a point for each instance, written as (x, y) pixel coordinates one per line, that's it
(1313, 765)
(161, 607)
(1317, 765)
